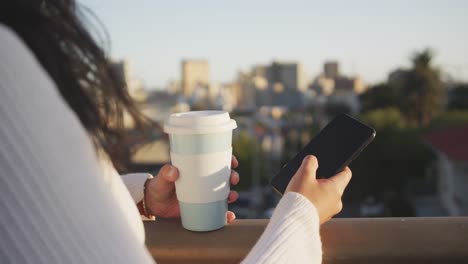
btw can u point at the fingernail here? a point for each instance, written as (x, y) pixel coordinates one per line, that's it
(171, 172)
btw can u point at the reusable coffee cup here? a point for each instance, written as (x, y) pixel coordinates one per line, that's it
(201, 149)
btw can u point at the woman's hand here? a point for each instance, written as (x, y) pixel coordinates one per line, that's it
(160, 196)
(325, 194)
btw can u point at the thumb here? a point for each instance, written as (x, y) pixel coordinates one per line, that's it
(342, 179)
(166, 177)
(309, 166)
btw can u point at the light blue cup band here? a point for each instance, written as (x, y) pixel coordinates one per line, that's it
(194, 216)
(200, 143)
(202, 217)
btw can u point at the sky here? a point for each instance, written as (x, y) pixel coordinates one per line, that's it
(367, 37)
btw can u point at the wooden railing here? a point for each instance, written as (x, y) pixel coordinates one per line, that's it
(360, 240)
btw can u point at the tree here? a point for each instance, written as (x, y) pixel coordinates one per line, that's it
(251, 160)
(421, 92)
(458, 97)
(379, 96)
(396, 157)
(389, 117)
(417, 92)
(336, 108)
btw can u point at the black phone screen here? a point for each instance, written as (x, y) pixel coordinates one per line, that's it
(335, 147)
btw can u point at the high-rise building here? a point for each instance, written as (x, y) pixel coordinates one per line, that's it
(323, 86)
(282, 84)
(359, 85)
(286, 76)
(249, 83)
(259, 71)
(331, 81)
(134, 86)
(174, 87)
(331, 69)
(195, 73)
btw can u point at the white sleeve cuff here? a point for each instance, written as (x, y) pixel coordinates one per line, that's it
(292, 236)
(135, 183)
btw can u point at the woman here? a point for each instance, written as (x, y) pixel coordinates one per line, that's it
(61, 199)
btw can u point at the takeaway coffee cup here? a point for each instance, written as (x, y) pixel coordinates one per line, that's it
(200, 146)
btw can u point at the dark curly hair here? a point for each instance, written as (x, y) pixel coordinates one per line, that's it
(54, 31)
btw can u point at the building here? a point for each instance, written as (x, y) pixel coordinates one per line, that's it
(174, 87)
(232, 92)
(135, 88)
(245, 88)
(259, 71)
(451, 167)
(331, 69)
(323, 86)
(331, 82)
(359, 85)
(352, 84)
(195, 73)
(347, 98)
(279, 83)
(286, 76)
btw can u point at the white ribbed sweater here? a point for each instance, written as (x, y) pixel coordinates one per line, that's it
(59, 204)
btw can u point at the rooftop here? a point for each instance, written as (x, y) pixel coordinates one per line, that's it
(452, 141)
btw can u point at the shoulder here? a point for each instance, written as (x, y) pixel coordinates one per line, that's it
(6, 33)
(16, 58)
(18, 65)
(12, 46)
(22, 77)
(28, 96)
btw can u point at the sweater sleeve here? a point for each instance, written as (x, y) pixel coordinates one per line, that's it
(292, 236)
(56, 205)
(135, 183)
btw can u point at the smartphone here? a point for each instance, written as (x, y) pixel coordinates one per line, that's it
(335, 146)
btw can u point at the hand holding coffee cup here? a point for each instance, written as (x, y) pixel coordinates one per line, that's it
(201, 150)
(160, 196)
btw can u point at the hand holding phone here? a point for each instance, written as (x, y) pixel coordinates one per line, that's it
(325, 194)
(335, 147)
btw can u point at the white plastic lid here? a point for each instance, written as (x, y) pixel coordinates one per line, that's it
(199, 122)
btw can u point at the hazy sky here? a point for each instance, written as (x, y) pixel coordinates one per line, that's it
(369, 38)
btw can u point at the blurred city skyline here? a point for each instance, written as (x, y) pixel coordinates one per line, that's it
(367, 38)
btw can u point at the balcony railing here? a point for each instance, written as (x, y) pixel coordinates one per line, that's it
(360, 240)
